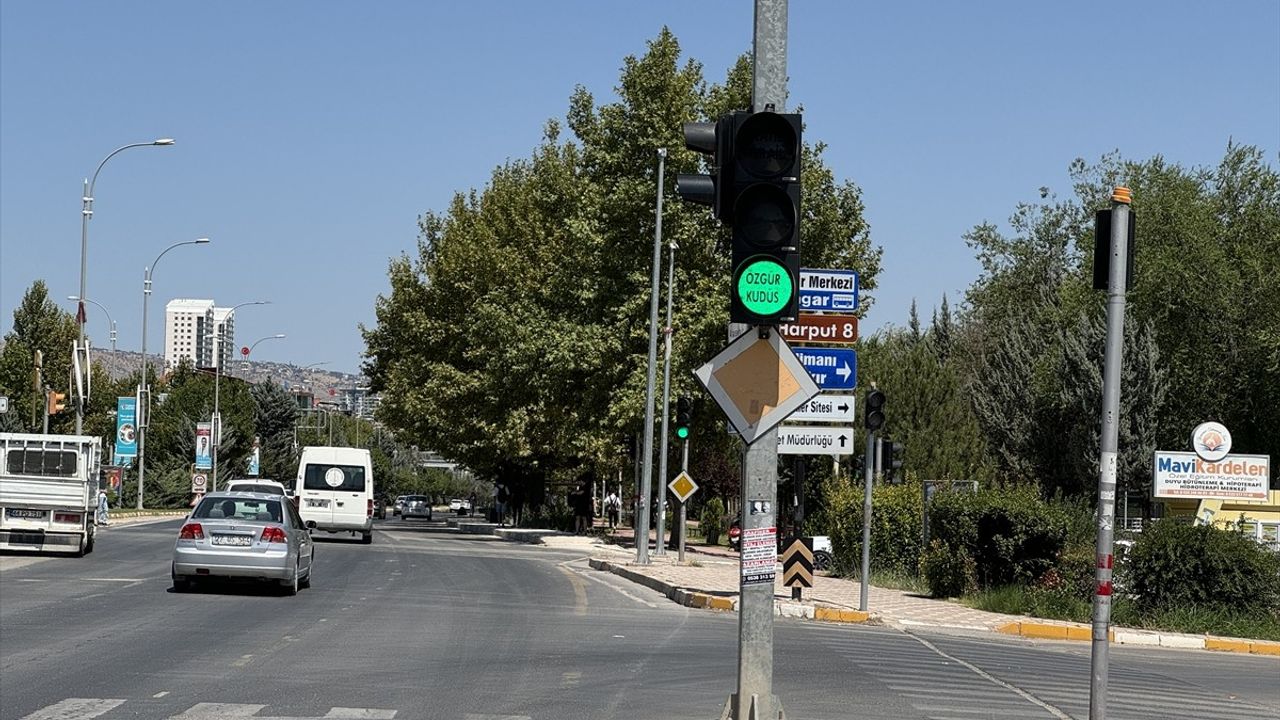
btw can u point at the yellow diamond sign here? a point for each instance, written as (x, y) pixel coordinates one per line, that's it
(683, 487)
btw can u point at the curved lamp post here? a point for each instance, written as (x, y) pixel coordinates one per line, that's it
(217, 376)
(255, 344)
(86, 211)
(144, 388)
(105, 310)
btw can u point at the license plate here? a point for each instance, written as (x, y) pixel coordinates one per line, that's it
(234, 540)
(25, 514)
(317, 503)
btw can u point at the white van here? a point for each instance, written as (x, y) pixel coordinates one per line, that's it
(334, 490)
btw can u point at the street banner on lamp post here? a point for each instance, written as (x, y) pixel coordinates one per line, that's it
(204, 450)
(126, 429)
(255, 458)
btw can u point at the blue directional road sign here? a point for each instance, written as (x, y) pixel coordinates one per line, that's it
(831, 368)
(828, 290)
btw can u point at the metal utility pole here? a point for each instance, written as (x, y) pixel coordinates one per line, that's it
(754, 699)
(871, 462)
(646, 477)
(1112, 360)
(661, 547)
(684, 467)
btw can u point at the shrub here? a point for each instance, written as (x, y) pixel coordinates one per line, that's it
(949, 571)
(712, 520)
(1012, 536)
(895, 527)
(554, 514)
(1183, 566)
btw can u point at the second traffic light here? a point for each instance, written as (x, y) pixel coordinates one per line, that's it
(891, 456)
(684, 417)
(874, 409)
(57, 402)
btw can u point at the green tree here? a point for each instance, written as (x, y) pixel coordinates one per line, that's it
(515, 339)
(275, 414)
(38, 325)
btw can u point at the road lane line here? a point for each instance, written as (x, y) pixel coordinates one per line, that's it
(75, 709)
(160, 694)
(592, 577)
(1057, 713)
(579, 590)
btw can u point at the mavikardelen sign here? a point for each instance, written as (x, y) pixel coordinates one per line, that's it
(1234, 477)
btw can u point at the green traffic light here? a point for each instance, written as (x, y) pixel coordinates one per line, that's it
(764, 286)
(682, 432)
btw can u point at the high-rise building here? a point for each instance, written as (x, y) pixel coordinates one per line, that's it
(198, 331)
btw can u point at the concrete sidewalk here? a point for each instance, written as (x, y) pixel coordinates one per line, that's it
(709, 579)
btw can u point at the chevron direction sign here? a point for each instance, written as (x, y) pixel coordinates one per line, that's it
(797, 563)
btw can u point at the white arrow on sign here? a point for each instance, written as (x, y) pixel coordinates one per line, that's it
(844, 372)
(814, 440)
(826, 408)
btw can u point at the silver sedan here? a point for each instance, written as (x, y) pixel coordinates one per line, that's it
(244, 535)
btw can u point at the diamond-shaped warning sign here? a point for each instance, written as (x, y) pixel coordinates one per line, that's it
(683, 487)
(758, 382)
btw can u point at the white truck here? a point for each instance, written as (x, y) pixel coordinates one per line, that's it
(48, 492)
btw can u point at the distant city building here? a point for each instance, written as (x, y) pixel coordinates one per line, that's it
(359, 402)
(199, 331)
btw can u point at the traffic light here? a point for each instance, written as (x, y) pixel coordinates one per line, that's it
(891, 456)
(710, 138)
(57, 402)
(764, 179)
(684, 417)
(874, 409)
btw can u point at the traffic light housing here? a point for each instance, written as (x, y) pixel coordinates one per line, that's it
(712, 188)
(891, 457)
(57, 402)
(764, 192)
(873, 407)
(684, 418)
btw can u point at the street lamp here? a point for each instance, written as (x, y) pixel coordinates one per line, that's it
(308, 367)
(105, 310)
(255, 344)
(86, 211)
(144, 389)
(217, 376)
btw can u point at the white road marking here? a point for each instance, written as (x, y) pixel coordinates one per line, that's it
(213, 711)
(474, 716)
(1057, 713)
(360, 714)
(160, 694)
(75, 709)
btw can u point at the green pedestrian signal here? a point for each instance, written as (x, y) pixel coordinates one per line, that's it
(764, 286)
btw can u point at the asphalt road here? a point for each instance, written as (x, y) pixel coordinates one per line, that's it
(429, 624)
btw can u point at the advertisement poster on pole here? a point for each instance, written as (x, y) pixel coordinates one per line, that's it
(759, 555)
(126, 430)
(204, 449)
(255, 458)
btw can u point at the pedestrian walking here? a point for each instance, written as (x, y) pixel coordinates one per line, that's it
(612, 508)
(103, 505)
(580, 503)
(500, 497)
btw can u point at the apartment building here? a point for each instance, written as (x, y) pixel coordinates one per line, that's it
(199, 331)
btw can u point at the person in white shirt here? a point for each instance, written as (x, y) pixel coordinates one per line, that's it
(612, 508)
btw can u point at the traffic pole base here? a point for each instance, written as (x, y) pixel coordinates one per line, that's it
(731, 711)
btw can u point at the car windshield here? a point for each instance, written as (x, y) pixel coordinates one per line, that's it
(255, 488)
(245, 509)
(416, 498)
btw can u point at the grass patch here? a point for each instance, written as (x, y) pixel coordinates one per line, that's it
(898, 580)
(1017, 600)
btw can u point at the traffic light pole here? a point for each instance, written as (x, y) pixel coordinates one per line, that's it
(646, 479)
(684, 467)
(1112, 361)
(661, 547)
(871, 467)
(755, 699)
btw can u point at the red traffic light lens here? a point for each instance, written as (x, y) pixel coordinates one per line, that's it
(766, 145)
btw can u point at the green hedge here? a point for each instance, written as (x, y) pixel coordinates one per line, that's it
(895, 526)
(1012, 536)
(1185, 566)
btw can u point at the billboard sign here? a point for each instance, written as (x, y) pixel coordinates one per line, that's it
(1234, 477)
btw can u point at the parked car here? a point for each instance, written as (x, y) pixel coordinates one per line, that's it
(416, 506)
(460, 506)
(399, 504)
(254, 485)
(243, 535)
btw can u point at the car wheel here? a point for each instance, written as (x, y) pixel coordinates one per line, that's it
(366, 539)
(88, 548)
(311, 568)
(180, 584)
(821, 560)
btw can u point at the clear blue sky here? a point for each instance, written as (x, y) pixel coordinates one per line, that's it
(310, 136)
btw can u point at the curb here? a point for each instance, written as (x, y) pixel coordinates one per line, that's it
(1149, 638)
(702, 600)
